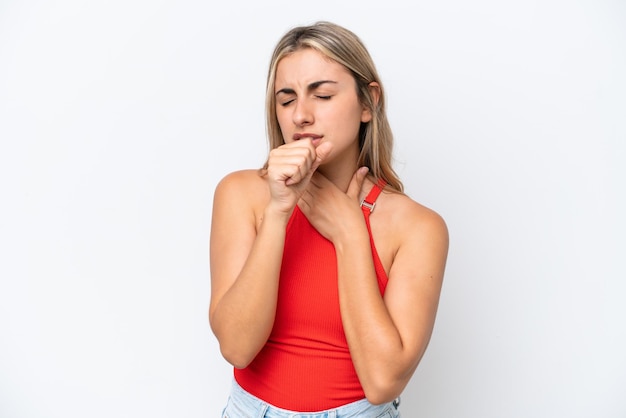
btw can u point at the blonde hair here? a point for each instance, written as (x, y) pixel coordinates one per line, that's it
(345, 48)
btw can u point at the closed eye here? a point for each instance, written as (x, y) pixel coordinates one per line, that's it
(286, 103)
(324, 97)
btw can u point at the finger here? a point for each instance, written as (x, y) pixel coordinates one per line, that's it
(295, 174)
(286, 170)
(357, 182)
(291, 165)
(322, 152)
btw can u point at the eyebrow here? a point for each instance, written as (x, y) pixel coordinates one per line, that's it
(313, 86)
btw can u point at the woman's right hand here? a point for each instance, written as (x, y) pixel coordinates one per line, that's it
(289, 171)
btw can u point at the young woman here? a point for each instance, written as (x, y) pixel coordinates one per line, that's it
(325, 276)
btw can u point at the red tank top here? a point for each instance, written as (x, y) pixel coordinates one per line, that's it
(305, 364)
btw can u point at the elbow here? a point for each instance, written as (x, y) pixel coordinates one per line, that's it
(382, 392)
(237, 358)
(379, 398)
(237, 352)
(238, 362)
(234, 350)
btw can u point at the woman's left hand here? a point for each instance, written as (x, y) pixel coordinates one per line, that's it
(330, 210)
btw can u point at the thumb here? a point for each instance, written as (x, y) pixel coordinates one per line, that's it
(357, 182)
(322, 152)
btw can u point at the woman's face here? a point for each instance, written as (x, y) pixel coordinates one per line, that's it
(316, 97)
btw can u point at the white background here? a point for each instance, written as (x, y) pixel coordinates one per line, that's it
(118, 118)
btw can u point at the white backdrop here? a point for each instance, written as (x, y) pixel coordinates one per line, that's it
(118, 118)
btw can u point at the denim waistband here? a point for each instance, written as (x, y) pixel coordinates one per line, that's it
(242, 404)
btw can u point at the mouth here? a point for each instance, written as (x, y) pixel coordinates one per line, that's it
(313, 137)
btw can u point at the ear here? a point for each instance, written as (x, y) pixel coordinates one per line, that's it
(374, 89)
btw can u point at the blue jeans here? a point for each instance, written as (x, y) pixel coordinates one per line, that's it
(241, 404)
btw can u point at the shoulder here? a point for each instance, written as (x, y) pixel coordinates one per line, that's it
(247, 187)
(242, 181)
(411, 220)
(419, 239)
(241, 178)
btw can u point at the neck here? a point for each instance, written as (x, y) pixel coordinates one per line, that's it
(341, 180)
(340, 170)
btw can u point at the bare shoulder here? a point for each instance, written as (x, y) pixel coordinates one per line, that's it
(236, 202)
(406, 216)
(243, 185)
(241, 195)
(404, 230)
(243, 180)
(409, 232)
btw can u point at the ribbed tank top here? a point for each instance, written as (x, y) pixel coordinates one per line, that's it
(305, 364)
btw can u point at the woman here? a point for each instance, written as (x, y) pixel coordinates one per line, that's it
(325, 277)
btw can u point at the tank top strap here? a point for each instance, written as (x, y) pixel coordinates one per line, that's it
(369, 203)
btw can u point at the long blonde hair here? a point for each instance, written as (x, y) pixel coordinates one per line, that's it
(344, 47)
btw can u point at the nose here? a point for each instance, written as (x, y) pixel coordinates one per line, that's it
(303, 113)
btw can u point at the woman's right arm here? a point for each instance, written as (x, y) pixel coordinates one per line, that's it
(246, 254)
(245, 266)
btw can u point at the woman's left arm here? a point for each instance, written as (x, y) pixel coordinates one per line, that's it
(387, 336)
